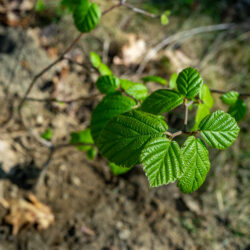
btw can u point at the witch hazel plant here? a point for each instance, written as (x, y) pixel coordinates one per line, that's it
(128, 128)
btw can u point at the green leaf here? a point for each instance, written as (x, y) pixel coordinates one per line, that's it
(111, 105)
(230, 97)
(137, 91)
(84, 137)
(99, 65)
(124, 137)
(116, 170)
(172, 81)
(219, 129)
(197, 165)
(189, 82)
(47, 135)
(162, 161)
(91, 153)
(162, 101)
(86, 16)
(203, 108)
(104, 69)
(206, 97)
(40, 6)
(107, 84)
(125, 84)
(164, 19)
(238, 110)
(95, 59)
(157, 79)
(81, 137)
(202, 112)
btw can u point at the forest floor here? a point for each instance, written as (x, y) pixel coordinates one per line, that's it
(94, 209)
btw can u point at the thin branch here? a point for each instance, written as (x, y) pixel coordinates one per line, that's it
(223, 92)
(60, 58)
(43, 171)
(81, 98)
(180, 36)
(83, 65)
(173, 135)
(111, 8)
(140, 11)
(52, 150)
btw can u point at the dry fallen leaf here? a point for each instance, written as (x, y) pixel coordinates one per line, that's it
(27, 213)
(132, 52)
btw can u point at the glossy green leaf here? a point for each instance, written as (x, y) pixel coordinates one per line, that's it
(84, 137)
(137, 91)
(156, 79)
(219, 129)
(162, 161)
(40, 6)
(164, 19)
(206, 97)
(197, 165)
(238, 110)
(172, 81)
(95, 59)
(107, 84)
(99, 65)
(91, 153)
(117, 170)
(125, 84)
(202, 112)
(81, 137)
(189, 82)
(104, 69)
(124, 137)
(162, 101)
(86, 16)
(110, 106)
(47, 135)
(230, 97)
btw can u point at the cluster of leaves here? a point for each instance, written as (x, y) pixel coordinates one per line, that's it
(237, 107)
(128, 127)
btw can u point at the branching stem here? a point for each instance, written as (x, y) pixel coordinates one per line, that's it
(173, 135)
(59, 59)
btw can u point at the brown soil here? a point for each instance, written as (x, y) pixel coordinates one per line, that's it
(95, 210)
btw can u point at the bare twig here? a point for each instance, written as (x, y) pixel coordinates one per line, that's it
(52, 150)
(180, 35)
(223, 92)
(60, 58)
(140, 11)
(83, 65)
(186, 114)
(44, 169)
(173, 135)
(111, 8)
(81, 98)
